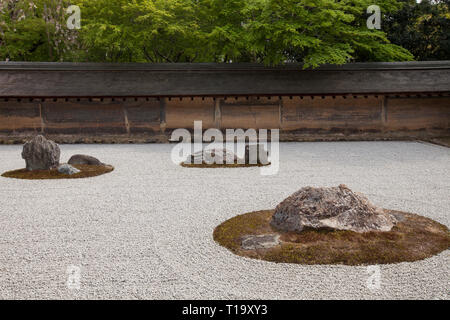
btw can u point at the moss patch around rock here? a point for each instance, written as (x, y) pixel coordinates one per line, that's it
(224, 165)
(86, 171)
(413, 238)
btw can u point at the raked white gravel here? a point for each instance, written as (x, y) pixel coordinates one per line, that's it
(144, 231)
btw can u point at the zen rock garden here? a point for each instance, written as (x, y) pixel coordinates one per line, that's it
(42, 161)
(233, 232)
(332, 226)
(325, 225)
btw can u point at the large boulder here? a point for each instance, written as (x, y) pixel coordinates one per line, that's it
(330, 208)
(41, 154)
(84, 159)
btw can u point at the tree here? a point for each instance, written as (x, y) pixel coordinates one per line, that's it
(315, 32)
(422, 28)
(312, 32)
(140, 30)
(35, 30)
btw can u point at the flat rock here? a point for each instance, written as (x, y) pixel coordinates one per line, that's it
(41, 154)
(84, 159)
(264, 241)
(67, 169)
(335, 208)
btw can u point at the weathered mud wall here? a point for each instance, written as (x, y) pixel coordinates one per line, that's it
(298, 118)
(31, 105)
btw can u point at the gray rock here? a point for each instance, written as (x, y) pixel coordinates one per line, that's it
(41, 154)
(254, 154)
(67, 169)
(264, 241)
(85, 159)
(212, 156)
(332, 208)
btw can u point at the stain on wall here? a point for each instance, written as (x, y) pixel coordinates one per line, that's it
(360, 116)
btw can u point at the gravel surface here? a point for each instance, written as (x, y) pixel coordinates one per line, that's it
(144, 231)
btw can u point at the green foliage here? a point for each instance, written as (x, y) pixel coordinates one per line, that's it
(422, 28)
(140, 30)
(320, 31)
(35, 30)
(312, 32)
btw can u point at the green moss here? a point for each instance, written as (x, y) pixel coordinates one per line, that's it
(85, 172)
(224, 165)
(229, 233)
(414, 238)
